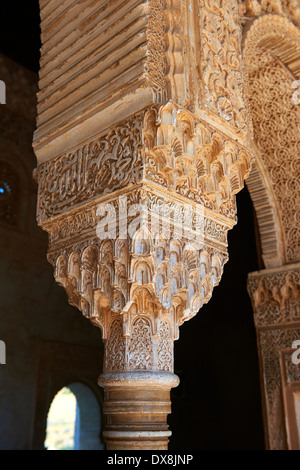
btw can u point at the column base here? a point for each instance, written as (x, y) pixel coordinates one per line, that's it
(137, 405)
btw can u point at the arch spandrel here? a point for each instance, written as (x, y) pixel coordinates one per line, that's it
(272, 65)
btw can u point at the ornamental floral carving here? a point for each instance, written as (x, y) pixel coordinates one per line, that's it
(140, 354)
(155, 68)
(115, 348)
(221, 61)
(275, 296)
(271, 57)
(101, 166)
(276, 130)
(165, 348)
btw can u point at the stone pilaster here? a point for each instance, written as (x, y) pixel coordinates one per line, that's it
(275, 295)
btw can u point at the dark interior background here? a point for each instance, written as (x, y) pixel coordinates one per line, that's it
(217, 406)
(20, 32)
(218, 403)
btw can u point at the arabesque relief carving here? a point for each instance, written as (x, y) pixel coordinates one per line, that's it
(102, 166)
(276, 123)
(155, 70)
(221, 61)
(178, 150)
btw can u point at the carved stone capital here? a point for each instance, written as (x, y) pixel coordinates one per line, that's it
(140, 278)
(142, 144)
(275, 295)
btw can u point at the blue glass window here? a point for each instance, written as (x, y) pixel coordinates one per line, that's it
(9, 194)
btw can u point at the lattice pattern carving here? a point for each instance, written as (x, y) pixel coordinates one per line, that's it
(115, 348)
(165, 348)
(140, 348)
(155, 69)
